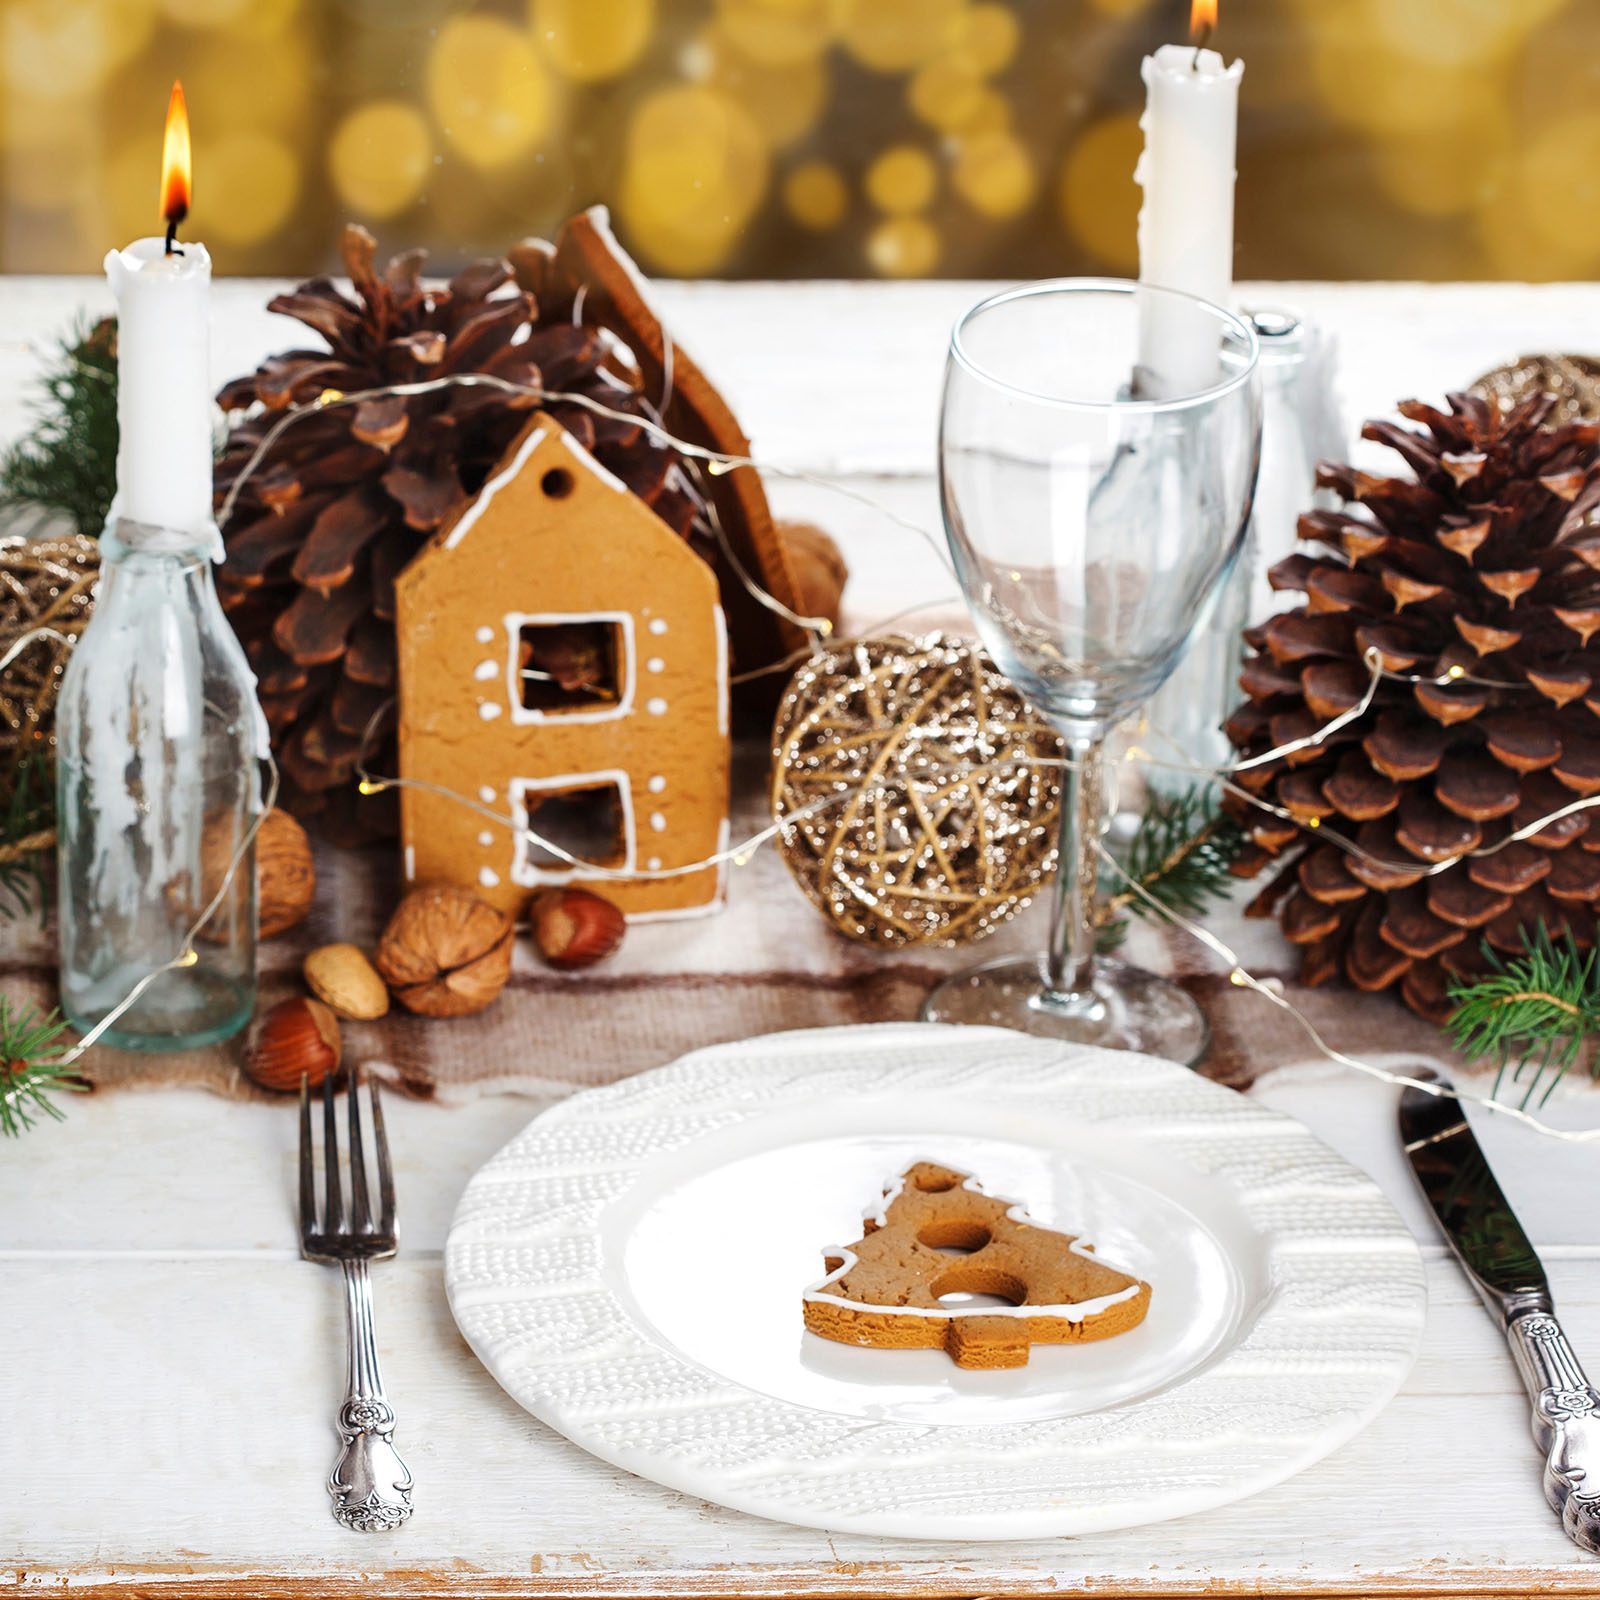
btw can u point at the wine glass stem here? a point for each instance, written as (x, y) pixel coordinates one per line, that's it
(1068, 961)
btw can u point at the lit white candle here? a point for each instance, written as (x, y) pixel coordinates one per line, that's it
(163, 293)
(1187, 170)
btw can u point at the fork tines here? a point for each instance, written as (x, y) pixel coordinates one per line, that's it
(346, 1230)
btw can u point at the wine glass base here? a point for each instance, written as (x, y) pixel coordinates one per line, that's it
(1127, 1008)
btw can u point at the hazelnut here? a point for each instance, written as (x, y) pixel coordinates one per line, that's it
(573, 928)
(297, 1038)
(445, 952)
(341, 977)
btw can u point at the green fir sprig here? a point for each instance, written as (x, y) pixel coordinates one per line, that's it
(1181, 854)
(29, 1079)
(67, 461)
(1531, 1014)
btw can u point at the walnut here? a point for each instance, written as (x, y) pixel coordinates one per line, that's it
(286, 880)
(445, 952)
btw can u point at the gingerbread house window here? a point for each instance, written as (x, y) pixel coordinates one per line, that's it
(587, 816)
(575, 667)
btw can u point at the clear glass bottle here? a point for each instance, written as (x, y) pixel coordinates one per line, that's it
(159, 739)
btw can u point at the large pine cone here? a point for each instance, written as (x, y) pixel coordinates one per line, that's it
(347, 496)
(1484, 565)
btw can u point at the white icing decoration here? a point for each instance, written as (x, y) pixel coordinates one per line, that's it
(523, 871)
(656, 707)
(655, 664)
(1070, 1311)
(485, 670)
(588, 462)
(487, 795)
(485, 635)
(657, 784)
(487, 493)
(654, 863)
(658, 823)
(486, 838)
(722, 672)
(489, 710)
(488, 877)
(516, 621)
(658, 625)
(411, 863)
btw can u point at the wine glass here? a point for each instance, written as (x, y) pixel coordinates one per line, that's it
(1097, 456)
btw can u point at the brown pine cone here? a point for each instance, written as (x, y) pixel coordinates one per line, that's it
(1482, 568)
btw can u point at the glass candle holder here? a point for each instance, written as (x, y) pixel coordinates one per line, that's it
(159, 742)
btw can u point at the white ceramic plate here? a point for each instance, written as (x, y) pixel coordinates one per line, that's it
(630, 1268)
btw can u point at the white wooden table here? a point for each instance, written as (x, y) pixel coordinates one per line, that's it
(173, 1367)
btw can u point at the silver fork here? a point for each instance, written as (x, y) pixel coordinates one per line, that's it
(370, 1484)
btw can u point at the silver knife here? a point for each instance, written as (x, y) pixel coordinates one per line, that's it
(1488, 1241)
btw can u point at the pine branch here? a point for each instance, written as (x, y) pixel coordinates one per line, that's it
(67, 462)
(27, 833)
(27, 1078)
(1532, 1013)
(1181, 854)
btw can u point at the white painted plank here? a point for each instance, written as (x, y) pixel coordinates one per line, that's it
(190, 1429)
(844, 377)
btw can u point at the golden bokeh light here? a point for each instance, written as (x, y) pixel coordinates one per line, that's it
(63, 49)
(985, 38)
(380, 156)
(783, 101)
(1544, 219)
(590, 41)
(903, 247)
(948, 94)
(994, 174)
(1097, 197)
(488, 90)
(249, 183)
(895, 35)
(214, 14)
(816, 196)
(779, 33)
(1383, 138)
(902, 180)
(694, 171)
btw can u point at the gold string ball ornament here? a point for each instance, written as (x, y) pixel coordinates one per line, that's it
(46, 586)
(915, 793)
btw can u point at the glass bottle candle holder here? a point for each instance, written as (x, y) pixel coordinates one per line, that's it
(159, 743)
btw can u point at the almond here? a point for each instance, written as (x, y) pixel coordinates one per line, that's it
(340, 976)
(573, 928)
(295, 1039)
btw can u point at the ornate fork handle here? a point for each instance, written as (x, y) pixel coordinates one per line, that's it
(1566, 1423)
(370, 1484)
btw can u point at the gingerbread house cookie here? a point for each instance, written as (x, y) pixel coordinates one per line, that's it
(939, 1234)
(563, 663)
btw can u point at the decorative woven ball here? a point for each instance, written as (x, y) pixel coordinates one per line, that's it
(44, 583)
(916, 794)
(1573, 380)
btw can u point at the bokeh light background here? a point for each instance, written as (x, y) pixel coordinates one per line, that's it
(801, 138)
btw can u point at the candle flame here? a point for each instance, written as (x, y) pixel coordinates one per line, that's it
(176, 182)
(1202, 19)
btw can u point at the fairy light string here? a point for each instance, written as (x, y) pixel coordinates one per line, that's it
(717, 463)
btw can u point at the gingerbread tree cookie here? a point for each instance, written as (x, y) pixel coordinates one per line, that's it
(938, 1233)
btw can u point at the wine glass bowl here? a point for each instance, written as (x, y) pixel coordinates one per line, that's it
(1092, 508)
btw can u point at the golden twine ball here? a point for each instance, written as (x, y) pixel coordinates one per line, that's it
(1573, 380)
(939, 791)
(44, 583)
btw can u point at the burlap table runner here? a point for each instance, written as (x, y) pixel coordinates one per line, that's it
(766, 962)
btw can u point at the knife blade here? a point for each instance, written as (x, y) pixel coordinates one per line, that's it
(1484, 1235)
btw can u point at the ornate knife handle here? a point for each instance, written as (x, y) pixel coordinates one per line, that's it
(370, 1484)
(1566, 1423)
